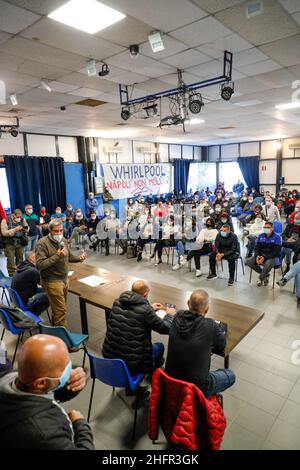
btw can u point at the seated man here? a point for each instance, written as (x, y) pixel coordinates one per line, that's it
(290, 236)
(267, 249)
(31, 416)
(129, 327)
(25, 281)
(193, 339)
(227, 247)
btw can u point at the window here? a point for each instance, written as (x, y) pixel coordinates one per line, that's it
(230, 173)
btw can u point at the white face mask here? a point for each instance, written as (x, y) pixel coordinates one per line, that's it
(58, 238)
(58, 212)
(18, 220)
(93, 217)
(78, 215)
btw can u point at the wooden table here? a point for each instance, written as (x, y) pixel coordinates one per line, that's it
(239, 318)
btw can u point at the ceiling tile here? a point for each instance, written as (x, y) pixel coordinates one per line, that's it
(41, 53)
(84, 92)
(249, 85)
(129, 78)
(14, 19)
(4, 37)
(187, 59)
(60, 87)
(276, 78)
(209, 69)
(259, 67)
(83, 81)
(201, 32)
(251, 56)
(296, 17)
(285, 51)
(155, 86)
(126, 32)
(70, 39)
(274, 23)
(247, 103)
(172, 46)
(232, 43)
(141, 64)
(292, 6)
(212, 6)
(36, 69)
(172, 79)
(43, 7)
(165, 16)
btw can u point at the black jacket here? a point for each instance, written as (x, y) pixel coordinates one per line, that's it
(25, 280)
(229, 245)
(128, 334)
(192, 339)
(295, 246)
(32, 422)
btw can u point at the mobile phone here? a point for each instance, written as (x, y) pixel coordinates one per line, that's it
(170, 305)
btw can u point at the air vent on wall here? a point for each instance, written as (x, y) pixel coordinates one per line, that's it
(296, 145)
(254, 8)
(91, 102)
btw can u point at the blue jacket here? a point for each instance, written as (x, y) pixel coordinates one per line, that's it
(268, 247)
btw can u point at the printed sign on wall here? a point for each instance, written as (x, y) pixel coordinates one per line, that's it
(125, 181)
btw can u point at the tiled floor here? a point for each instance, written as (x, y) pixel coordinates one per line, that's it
(262, 408)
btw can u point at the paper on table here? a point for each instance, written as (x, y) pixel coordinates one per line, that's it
(70, 273)
(93, 281)
(160, 313)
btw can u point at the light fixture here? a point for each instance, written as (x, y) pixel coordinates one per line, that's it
(290, 105)
(13, 99)
(151, 110)
(134, 50)
(125, 114)
(90, 16)
(63, 109)
(195, 121)
(227, 91)
(156, 42)
(195, 103)
(91, 68)
(14, 132)
(173, 120)
(104, 71)
(45, 85)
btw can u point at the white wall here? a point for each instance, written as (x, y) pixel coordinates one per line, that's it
(68, 149)
(41, 145)
(249, 149)
(291, 171)
(229, 152)
(11, 145)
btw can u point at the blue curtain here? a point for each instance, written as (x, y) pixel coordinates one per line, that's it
(23, 178)
(249, 167)
(181, 175)
(35, 180)
(53, 188)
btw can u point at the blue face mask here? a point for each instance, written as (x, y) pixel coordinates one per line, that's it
(224, 234)
(267, 231)
(29, 211)
(64, 378)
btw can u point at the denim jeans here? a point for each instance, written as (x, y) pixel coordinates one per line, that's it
(180, 248)
(32, 241)
(287, 253)
(38, 302)
(157, 354)
(295, 272)
(221, 379)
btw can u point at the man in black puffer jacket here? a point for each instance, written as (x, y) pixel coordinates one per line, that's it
(129, 326)
(227, 247)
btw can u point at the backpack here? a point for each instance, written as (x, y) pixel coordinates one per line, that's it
(131, 251)
(18, 318)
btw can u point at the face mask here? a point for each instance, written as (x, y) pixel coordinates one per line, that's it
(58, 238)
(268, 204)
(224, 234)
(223, 221)
(250, 201)
(91, 197)
(29, 211)
(58, 212)
(244, 199)
(217, 211)
(208, 226)
(93, 217)
(18, 220)
(297, 209)
(106, 214)
(225, 204)
(267, 231)
(78, 215)
(70, 208)
(64, 378)
(297, 222)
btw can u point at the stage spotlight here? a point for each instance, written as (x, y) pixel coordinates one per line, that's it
(104, 71)
(151, 110)
(125, 114)
(227, 91)
(45, 85)
(173, 120)
(195, 103)
(14, 132)
(134, 50)
(13, 99)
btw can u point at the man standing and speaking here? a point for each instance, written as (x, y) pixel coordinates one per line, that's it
(52, 258)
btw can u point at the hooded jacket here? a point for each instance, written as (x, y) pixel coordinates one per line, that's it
(25, 280)
(192, 339)
(38, 422)
(128, 334)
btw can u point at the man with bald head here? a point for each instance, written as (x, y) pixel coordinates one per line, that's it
(128, 334)
(192, 340)
(31, 415)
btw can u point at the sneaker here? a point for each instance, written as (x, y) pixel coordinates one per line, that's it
(181, 259)
(211, 276)
(158, 262)
(139, 257)
(176, 267)
(184, 262)
(282, 282)
(231, 281)
(259, 283)
(198, 273)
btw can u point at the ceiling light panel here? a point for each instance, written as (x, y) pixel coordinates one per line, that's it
(90, 16)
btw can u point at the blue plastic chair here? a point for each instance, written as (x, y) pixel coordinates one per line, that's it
(72, 340)
(15, 299)
(113, 372)
(278, 227)
(211, 198)
(277, 265)
(5, 283)
(8, 325)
